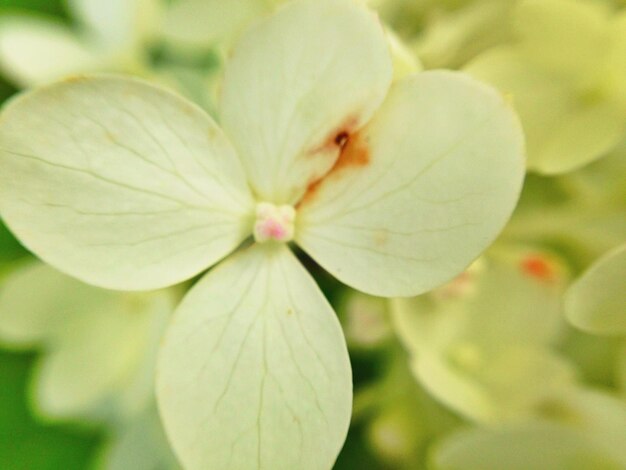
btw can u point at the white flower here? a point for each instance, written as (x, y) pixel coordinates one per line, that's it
(393, 191)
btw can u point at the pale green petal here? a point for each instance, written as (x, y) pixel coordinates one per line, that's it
(37, 302)
(118, 23)
(508, 386)
(600, 416)
(139, 445)
(295, 84)
(119, 183)
(484, 352)
(421, 191)
(534, 445)
(35, 51)
(616, 75)
(596, 302)
(405, 62)
(620, 373)
(97, 347)
(569, 37)
(528, 314)
(587, 433)
(95, 367)
(564, 129)
(204, 23)
(254, 371)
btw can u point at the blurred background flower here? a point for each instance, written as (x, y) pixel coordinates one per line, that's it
(519, 363)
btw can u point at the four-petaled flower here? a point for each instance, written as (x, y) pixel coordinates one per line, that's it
(393, 189)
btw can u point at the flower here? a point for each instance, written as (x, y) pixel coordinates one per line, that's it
(393, 190)
(98, 353)
(484, 349)
(98, 346)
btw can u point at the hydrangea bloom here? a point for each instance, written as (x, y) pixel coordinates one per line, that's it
(393, 190)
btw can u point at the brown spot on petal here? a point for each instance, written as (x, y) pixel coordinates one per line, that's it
(354, 152)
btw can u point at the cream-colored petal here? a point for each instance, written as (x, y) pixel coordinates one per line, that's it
(120, 183)
(421, 191)
(35, 51)
(254, 371)
(295, 83)
(596, 302)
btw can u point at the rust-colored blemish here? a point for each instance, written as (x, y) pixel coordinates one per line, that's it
(337, 139)
(538, 267)
(354, 152)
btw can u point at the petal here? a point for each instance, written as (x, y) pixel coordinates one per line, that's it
(596, 302)
(565, 36)
(512, 385)
(421, 191)
(297, 81)
(89, 369)
(98, 346)
(119, 183)
(205, 23)
(564, 129)
(27, 320)
(35, 51)
(521, 446)
(118, 23)
(254, 371)
(140, 444)
(489, 373)
(519, 307)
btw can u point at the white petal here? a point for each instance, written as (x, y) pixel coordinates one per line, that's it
(596, 302)
(35, 51)
(254, 371)
(421, 191)
(119, 183)
(295, 82)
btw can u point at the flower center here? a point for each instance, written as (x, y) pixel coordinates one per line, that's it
(274, 222)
